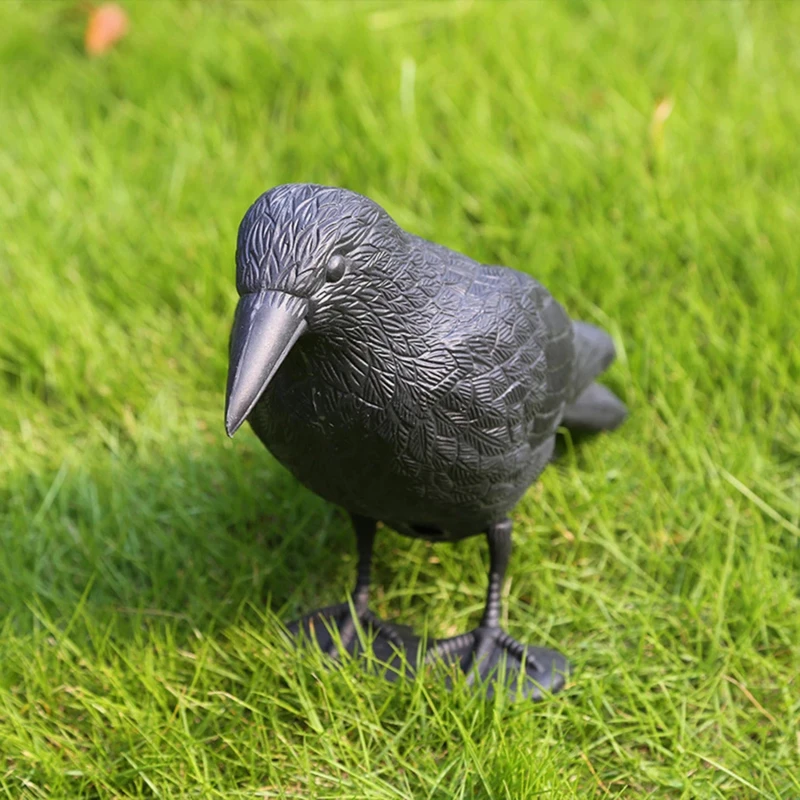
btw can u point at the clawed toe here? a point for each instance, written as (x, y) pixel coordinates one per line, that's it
(334, 629)
(488, 656)
(492, 658)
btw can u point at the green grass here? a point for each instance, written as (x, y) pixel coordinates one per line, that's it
(146, 560)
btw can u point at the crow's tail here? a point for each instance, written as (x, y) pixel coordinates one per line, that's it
(594, 407)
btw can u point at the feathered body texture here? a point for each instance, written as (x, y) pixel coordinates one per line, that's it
(428, 388)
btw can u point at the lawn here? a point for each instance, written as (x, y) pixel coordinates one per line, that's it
(640, 159)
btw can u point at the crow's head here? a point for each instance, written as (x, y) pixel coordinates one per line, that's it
(303, 253)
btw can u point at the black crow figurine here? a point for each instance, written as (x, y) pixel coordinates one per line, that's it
(410, 385)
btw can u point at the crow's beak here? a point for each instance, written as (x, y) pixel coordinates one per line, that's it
(265, 328)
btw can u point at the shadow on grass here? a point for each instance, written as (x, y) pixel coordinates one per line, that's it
(198, 540)
(197, 533)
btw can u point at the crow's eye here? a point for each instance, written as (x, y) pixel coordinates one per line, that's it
(336, 268)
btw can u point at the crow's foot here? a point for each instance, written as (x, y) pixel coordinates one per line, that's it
(492, 658)
(488, 655)
(334, 629)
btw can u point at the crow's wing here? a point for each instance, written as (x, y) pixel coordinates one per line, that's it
(512, 354)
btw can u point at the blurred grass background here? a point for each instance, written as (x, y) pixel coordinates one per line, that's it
(639, 159)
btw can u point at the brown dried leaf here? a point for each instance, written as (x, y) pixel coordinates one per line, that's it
(107, 24)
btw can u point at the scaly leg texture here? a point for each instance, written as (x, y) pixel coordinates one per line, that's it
(489, 655)
(336, 627)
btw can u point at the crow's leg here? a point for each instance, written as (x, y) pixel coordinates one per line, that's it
(353, 622)
(488, 654)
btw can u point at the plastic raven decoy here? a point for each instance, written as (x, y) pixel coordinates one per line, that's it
(410, 385)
